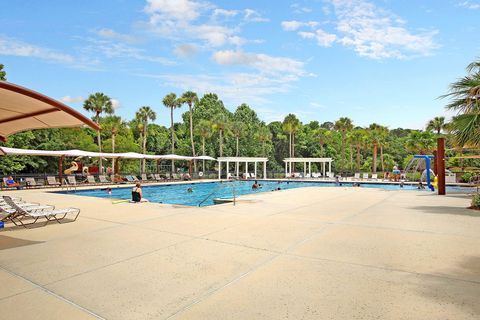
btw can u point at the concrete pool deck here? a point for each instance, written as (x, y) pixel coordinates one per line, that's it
(308, 253)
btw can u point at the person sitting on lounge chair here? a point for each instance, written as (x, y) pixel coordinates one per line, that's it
(10, 183)
(187, 177)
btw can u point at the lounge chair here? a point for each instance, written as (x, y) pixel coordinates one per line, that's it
(158, 177)
(356, 176)
(364, 176)
(20, 214)
(135, 179)
(7, 185)
(175, 176)
(52, 181)
(129, 178)
(374, 176)
(331, 175)
(71, 181)
(143, 178)
(31, 182)
(91, 180)
(103, 179)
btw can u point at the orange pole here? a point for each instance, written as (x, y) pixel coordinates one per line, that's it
(60, 169)
(440, 160)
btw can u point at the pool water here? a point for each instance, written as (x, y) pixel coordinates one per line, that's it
(203, 193)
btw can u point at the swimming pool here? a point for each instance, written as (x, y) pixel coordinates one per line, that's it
(203, 193)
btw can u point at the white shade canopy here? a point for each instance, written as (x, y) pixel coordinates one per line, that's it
(24, 109)
(81, 153)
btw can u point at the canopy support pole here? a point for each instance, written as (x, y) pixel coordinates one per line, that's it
(440, 160)
(60, 169)
(264, 169)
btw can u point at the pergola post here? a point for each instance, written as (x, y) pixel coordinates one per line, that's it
(60, 169)
(323, 169)
(304, 168)
(329, 167)
(190, 168)
(238, 168)
(264, 169)
(290, 168)
(309, 169)
(286, 169)
(246, 169)
(255, 171)
(228, 169)
(219, 169)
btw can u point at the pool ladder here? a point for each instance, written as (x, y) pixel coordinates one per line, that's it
(215, 191)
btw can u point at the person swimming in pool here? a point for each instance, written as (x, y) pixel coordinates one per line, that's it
(189, 190)
(255, 185)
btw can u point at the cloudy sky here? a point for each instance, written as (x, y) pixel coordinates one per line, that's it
(382, 61)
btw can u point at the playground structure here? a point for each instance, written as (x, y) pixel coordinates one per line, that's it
(416, 163)
(72, 169)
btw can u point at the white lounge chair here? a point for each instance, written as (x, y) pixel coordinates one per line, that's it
(364, 176)
(356, 176)
(374, 176)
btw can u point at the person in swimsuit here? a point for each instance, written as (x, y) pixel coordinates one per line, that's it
(137, 193)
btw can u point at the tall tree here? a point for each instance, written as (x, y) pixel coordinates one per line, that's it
(204, 130)
(238, 129)
(220, 124)
(191, 98)
(263, 135)
(291, 125)
(343, 125)
(373, 140)
(420, 142)
(3, 74)
(382, 139)
(171, 101)
(115, 125)
(98, 103)
(357, 137)
(436, 124)
(144, 114)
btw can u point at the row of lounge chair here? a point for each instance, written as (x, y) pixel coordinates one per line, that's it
(51, 181)
(316, 175)
(27, 214)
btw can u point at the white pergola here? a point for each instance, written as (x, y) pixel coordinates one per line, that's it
(237, 161)
(323, 161)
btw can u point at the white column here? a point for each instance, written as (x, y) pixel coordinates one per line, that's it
(219, 170)
(290, 169)
(264, 169)
(323, 168)
(286, 169)
(228, 169)
(246, 168)
(304, 168)
(238, 168)
(255, 172)
(329, 167)
(310, 169)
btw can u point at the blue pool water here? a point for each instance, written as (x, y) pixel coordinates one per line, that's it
(204, 193)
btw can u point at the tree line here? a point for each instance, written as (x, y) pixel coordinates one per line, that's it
(207, 127)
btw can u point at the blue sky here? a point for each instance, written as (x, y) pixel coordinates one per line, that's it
(383, 61)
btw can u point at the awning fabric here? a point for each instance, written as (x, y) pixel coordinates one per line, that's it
(80, 153)
(24, 109)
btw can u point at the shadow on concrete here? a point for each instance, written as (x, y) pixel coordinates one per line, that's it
(7, 242)
(448, 210)
(461, 293)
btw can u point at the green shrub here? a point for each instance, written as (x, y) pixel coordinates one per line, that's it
(466, 177)
(476, 201)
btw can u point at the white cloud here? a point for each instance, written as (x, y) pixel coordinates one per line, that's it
(224, 13)
(253, 16)
(112, 50)
(297, 8)
(111, 34)
(293, 25)
(69, 99)
(324, 39)
(14, 47)
(115, 104)
(181, 21)
(262, 62)
(185, 50)
(375, 33)
(473, 5)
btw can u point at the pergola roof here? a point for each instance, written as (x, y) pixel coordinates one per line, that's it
(307, 160)
(24, 109)
(81, 153)
(242, 159)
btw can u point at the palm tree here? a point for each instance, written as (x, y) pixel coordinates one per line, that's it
(373, 140)
(343, 125)
(465, 99)
(144, 114)
(3, 74)
(263, 135)
(98, 103)
(220, 124)
(237, 128)
(291, 125)
(204, 130)
(171, 101)
(436, 124)
(382, 139)
(190, 98)
(420, 142)
(357, 137)
(115, 125)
